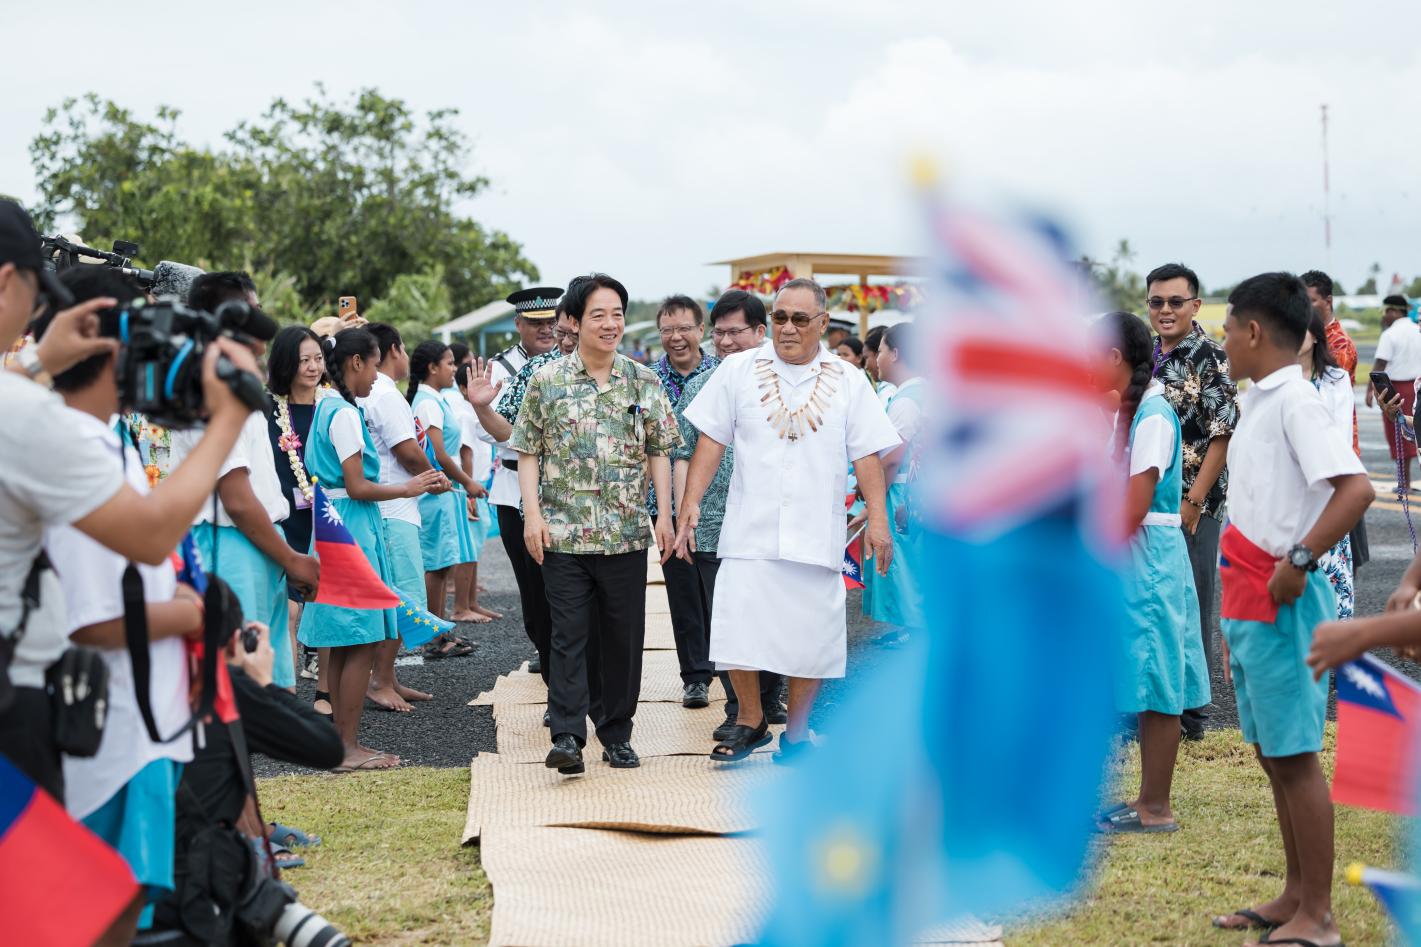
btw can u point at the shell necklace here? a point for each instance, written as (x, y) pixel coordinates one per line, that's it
(792, 424)
(290, 443)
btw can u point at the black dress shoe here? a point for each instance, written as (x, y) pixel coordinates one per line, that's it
(695, 696)
(776, 713)
(565, 756)
(724, 731)
(547, 718)
(621, 756)
(535, 666)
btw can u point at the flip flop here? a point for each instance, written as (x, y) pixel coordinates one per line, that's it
(1127, 822)
(286, 859)
(367, 765)
(1256, 921)
(290, 836)
(1104, 814)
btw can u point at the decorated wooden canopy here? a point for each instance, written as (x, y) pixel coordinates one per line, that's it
(767, 272)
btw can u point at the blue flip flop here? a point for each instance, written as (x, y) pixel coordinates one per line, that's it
(292, 837)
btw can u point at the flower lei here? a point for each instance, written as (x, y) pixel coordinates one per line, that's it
(290, 443)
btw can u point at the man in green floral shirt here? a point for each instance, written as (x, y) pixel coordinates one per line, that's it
(590, 426)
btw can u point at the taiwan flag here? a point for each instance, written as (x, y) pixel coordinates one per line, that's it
(347, 578)
(853, 562)
(1378, 725)
(59, 883)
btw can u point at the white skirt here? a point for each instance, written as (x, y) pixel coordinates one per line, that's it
(773, 615)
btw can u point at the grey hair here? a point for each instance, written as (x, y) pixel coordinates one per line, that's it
(803, 282)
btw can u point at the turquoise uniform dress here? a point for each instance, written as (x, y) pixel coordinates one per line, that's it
(259, 584)
(897, 598)
(444, 535)
(1162, 665)
(331, 626)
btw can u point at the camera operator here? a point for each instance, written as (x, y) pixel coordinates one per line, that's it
(49, 477)
(216, 874)
(251, 553)
(125, 793)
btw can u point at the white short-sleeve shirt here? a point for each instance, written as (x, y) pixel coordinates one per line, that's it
(1152, 446)
(390, 422)
(49, 476)
(253, 452)
(91, 577)
(345, 433)
(786, 497)
(1281, 456)
(1341, 402)
(1400, 345)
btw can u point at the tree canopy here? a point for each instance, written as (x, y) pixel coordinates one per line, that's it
(320, 197)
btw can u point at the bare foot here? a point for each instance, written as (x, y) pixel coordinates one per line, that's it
(409, 693)
(388, 698)
(489, 612)
(365, 749)
(1277, 911)
(322, 707)
(362, 758)
(470, 615)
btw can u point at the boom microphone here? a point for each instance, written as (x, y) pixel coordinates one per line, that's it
(174, 279)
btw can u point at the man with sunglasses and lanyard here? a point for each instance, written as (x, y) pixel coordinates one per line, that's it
(1195, 375)
(795, 415)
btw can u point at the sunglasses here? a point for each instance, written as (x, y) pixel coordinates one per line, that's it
(1174, 302)
(801, 320)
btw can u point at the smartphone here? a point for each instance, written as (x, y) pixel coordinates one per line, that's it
(346, 309)
(1381, 382)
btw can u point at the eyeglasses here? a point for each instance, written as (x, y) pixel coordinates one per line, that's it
(669, 331)
(722, 334)
(1175, 303)
(801, 320)
(564, 334)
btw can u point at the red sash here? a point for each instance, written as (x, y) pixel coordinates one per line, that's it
(1244, 573)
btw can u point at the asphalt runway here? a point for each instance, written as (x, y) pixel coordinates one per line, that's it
(447, 732)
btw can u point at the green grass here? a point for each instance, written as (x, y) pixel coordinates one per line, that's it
(391, 870)
(1163, 889)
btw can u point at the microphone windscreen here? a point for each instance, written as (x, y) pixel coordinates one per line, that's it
(174, 279)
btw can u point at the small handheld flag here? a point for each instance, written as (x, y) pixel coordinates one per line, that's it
(1399, 893)
(46, 859)
(1378, 725)
(853, 562)
(347, 577)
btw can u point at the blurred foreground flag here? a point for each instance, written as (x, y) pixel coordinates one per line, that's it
(59, 883)
(1378, 729)
(1399, 893)
(959, 776)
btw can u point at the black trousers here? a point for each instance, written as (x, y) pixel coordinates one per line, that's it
(26, 740)
(690, 620)
(597, 603)
(707, 565)
(536, 620)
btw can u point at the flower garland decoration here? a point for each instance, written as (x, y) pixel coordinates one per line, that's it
(290, 444)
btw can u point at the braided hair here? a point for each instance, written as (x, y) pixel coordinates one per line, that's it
(424, 355)
(1129, 334)
(340, 349)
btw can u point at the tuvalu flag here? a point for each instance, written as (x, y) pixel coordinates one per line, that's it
(1399, 893)
(348, 579)
(1378, 726)
(59, 883)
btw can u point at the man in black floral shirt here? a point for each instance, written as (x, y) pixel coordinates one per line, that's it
(1195, 374)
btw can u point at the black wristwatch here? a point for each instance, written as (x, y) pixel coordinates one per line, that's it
(1301, 558)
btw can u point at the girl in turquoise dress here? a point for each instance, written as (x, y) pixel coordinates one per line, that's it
(444, 533)
(1161, 658)
(341, 456)
(897, 598)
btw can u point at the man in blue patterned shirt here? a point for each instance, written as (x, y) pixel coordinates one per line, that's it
(681, 325)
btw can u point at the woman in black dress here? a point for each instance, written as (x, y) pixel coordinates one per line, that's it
(296, 368)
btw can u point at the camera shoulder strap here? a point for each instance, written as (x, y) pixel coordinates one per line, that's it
(30, 594)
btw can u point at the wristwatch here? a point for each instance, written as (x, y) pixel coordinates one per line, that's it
(1301, 558)
(28, 360)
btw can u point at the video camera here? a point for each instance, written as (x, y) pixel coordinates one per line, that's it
(165, 279)
(160, 359)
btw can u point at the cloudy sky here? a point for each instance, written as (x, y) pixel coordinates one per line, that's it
(648, 139)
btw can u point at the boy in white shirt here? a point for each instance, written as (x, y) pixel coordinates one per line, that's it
(1295, 489)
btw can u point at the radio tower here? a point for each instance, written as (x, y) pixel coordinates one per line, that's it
(1326, 196)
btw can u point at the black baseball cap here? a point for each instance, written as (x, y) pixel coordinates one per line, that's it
(19, 244)
(1396, 302)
